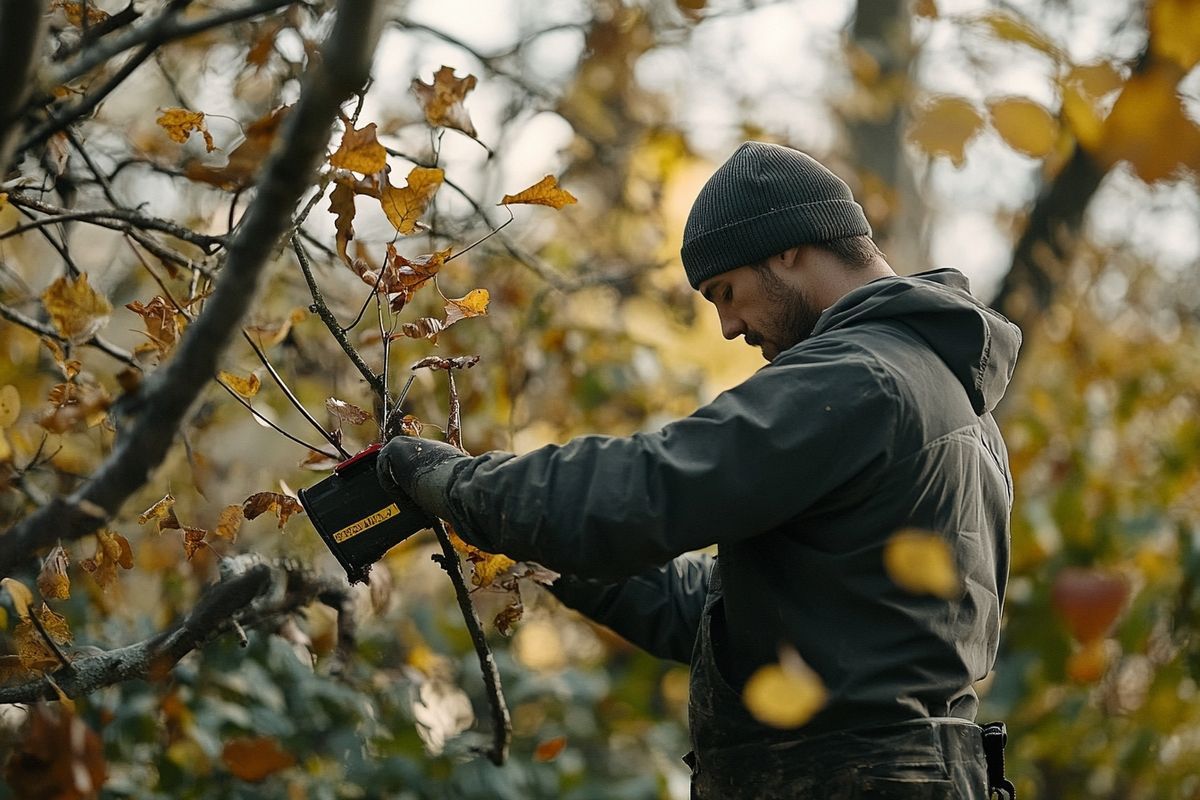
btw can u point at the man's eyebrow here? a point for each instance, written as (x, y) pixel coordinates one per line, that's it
(708, 291)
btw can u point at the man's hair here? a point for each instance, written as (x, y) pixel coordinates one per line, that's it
(856, 252)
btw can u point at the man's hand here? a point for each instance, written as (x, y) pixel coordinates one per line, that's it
(420, 469)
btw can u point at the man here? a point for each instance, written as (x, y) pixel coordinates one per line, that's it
(873, 416)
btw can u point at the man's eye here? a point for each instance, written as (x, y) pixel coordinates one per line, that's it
(728, 294)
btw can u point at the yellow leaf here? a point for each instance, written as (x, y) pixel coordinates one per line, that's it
(163, 511)
(1083, 118)
(545, 192)
(488, 566)
(1175, 31)
(247, 387)
(1012, 27)
(55, 625)
(443, 100)
(3, 200)
(1087, 663)
(944, 125)
(32, 648)
(474, 304)
(255, 759)
(1150, 109)
(22, 598)
(262, 502)
(70, 367)
(53, 581)
(921, 562)
(405, 205)
(1095, 80)
(73, 9)
(76, 310)
(784, 695)
(1026, 126)
(179, 124)
(229, 522)
(360, 151)
(10, 405)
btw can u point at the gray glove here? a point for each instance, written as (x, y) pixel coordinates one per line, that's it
(420, 469)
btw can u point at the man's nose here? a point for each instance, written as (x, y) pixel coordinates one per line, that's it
(732, 326)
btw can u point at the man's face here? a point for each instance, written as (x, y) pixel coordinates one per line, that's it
(767, 306)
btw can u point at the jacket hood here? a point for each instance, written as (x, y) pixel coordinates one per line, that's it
(979, 345)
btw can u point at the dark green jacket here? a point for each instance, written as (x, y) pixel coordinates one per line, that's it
(878, 422)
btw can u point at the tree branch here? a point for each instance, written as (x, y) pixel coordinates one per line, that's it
(170, 392)
(22, 26)
(17, 318)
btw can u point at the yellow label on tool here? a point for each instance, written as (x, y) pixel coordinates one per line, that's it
(355, 528)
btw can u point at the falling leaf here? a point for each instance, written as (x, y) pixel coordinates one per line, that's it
(56, 757)
(318, 462)
(112, 551)
(346, 412)
(474, 304)
(229, 522)
(921, 562)
(1150, 109)
(1025, 126)
(262, 502)
(341, 203)
(255, 758)
(1087, 663)
(164, 324)
(193, 540)
(360, 151)
(10, 405)
(405, 205)
(70, 367)
(1089, 600)
(545, 192)
(247, 158)
(269, 334)
(443, 100)
(163, 511)
(784, 695)
(246, 387)
(53, 581)
(22, 598)
(549, 749)
(1175, 31)
(944, 125)
(75, 309)
(437, 362)
(179, 123)
(260, 51)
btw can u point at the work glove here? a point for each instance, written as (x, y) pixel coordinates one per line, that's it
(420, 469)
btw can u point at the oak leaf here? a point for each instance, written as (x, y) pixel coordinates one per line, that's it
(1025, 126)
(262, 502)
(254, 759)
(246, 387)
(404, 205)
(163, 510)
(341, 203)
(360, 151)
(473, 304)
(179, 123)
(53, 581)
(346, 412)
(545, 192)
(786, 694)
(75, 308)
(443, 100)
(921, 562)
(944, 125)
(229, 522)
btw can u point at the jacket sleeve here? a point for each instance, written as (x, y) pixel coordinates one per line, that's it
(658, 610)
(758, 455)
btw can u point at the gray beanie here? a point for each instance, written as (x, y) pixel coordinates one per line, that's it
(763, 200)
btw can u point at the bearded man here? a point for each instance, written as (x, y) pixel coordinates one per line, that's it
(872, 417)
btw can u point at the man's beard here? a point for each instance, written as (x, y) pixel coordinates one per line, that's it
(795, 317)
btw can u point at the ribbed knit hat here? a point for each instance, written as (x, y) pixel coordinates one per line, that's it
(763, 200)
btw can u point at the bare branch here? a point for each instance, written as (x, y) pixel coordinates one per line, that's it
(168, 394)
(22, 23)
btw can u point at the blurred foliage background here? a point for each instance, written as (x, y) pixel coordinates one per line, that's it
(1049, 149)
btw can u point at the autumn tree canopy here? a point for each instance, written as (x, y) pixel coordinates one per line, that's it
(240, 241)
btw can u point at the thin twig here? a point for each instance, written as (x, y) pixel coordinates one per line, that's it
(61, 247)
(114, 218)
(272, 425)
(17, 318)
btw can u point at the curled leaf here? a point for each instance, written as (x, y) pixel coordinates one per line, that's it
(75, 405)
(423, 328)
(193, 540)
(179, 123)
(247, 387)
(55, 625)
(400, 277)
(474, 304)
(75, 308)
(443, 99)
(270, 333)
(229, 522)
(545, 192)
(112, 551)
(53, 581)
(70, 367)
(437, 362)
(341, 203)
(346, 412)
(164, 325)
(32, 649)
(163, 511)
(262, 502)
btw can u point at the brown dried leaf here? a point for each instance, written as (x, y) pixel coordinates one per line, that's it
(411, 426)
(443, 100)
(75, 406)
(545, 192)
(55, 625)
(438, 362)
(254, 759)
(510, 615)
(1089, 600)
(229, 522)
(163, 511)
(401, 277)
(346, 412)
(262, 502)
(193, 540)
(53, 581)
(318, 462)
(10, 405)
(246, 159)
(58, 756)
(73, 10)
(164, 324)
(473, 304)
(247, 387)
(423, 328)
(179, 124)
(341, 203)
(260, 51)
(360, 151)
(70, 368)
(75, 308)
(112, 551)
(405, 205)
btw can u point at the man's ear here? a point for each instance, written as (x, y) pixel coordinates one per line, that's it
(790, 259)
